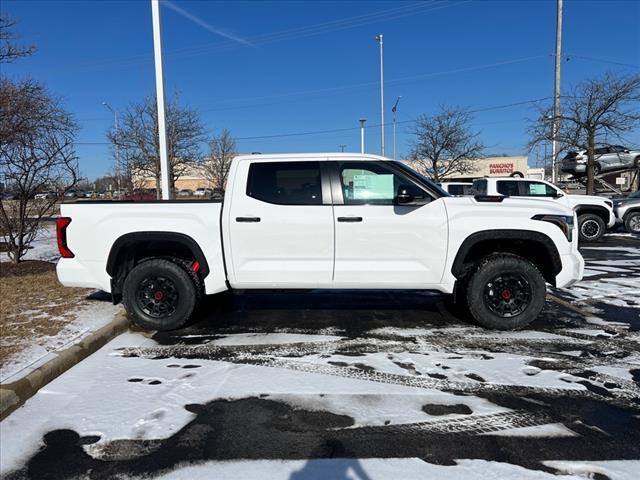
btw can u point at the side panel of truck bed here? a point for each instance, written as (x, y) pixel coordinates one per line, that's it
(95, 227)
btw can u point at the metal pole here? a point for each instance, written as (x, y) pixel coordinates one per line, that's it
(556, 91)
(394, 110)
(379, 39)
(115, 126)
(362, 122)
(162, 130)
(342, 147)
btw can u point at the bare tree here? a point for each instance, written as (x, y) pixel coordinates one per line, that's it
(222, 149)
(9, 50)
(445, 144)
(139, 144)
(598, 109)
(36, 154)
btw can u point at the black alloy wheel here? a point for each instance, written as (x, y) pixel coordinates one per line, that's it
(507, 295)
(157, 296)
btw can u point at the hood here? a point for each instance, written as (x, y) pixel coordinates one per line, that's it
(510, 206)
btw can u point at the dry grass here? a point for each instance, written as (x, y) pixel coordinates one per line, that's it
(32, 304)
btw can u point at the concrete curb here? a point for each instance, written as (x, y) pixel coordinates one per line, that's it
(13, 395)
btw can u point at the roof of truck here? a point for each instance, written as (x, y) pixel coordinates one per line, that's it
(312, 156)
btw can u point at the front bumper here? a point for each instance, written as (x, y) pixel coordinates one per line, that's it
(572, 270)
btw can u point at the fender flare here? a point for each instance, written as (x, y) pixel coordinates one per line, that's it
(128, 240)
(506, 234)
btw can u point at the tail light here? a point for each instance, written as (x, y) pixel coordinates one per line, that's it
(61, 233)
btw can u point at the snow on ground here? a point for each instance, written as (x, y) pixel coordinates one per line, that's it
(373, 469)
(88, 319)
(44, 246)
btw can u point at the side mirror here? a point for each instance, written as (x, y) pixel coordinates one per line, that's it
(404, 195)
(558, 195)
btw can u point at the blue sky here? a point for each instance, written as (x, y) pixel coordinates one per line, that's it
(273, 68)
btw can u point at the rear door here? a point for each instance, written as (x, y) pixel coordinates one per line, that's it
(281, 226)
(378, 242)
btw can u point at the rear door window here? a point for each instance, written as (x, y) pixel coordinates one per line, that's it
(508, 187)
(285, 183)
(480, 187)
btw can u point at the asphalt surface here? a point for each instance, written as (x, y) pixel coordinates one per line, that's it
(588, 341)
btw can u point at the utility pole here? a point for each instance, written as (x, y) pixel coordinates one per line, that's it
(394, 110)
(165, 171)
(342, 147)
(556, 91)
(379, 39)
(362, 122)
(115, 127)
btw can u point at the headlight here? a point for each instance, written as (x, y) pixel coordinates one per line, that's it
(609, 202)
(564, 222)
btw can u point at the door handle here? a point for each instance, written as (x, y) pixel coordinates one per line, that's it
(247, 219)
(349, 219)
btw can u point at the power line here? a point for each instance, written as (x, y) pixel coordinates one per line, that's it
(283, 35)
(601, 60)
(336, 130)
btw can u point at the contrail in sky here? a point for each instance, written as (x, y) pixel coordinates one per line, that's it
(204, 24)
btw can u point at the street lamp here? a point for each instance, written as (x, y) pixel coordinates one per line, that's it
(379, 39)
(394, 110)
(115, 126)
(362, 122)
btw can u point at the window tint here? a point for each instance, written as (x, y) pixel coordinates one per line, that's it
(460, 189)
(480, 187)
(538, 189)
(601, 150)
(371, 183)
(285, 183)
(507, 187)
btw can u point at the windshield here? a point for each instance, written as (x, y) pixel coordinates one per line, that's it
(635, 194)
(422, 179)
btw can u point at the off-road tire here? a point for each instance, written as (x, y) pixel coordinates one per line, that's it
(180, 285)
(587, 224)
(631, 221)
(497, 266)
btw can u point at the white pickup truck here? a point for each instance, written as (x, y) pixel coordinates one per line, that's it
(595, 214)
(335, 221)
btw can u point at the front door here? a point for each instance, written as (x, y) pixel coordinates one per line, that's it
(281, 226)
(379, 243)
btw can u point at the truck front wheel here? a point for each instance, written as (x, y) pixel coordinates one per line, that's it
(505, 292)
(591, 227)
(159, 295)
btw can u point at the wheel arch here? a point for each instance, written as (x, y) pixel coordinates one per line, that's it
(534, 246)
(131, 248)
(598, 210)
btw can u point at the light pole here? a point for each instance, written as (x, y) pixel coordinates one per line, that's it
(556, 91)
(162, 130)
(379, 39)
(342, 147)
(115, 126)
(362, 122)
(394, 110)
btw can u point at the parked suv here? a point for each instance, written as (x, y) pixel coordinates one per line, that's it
(627, 211)
(610, 158)
(595, 214)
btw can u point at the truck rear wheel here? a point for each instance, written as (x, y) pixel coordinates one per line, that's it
(505, 292)
(591, 227)
(159, 295)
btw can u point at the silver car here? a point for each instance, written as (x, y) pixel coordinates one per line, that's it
(627, 211)
(609, 158)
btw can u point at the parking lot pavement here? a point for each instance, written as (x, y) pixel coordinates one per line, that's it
(348, 384)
